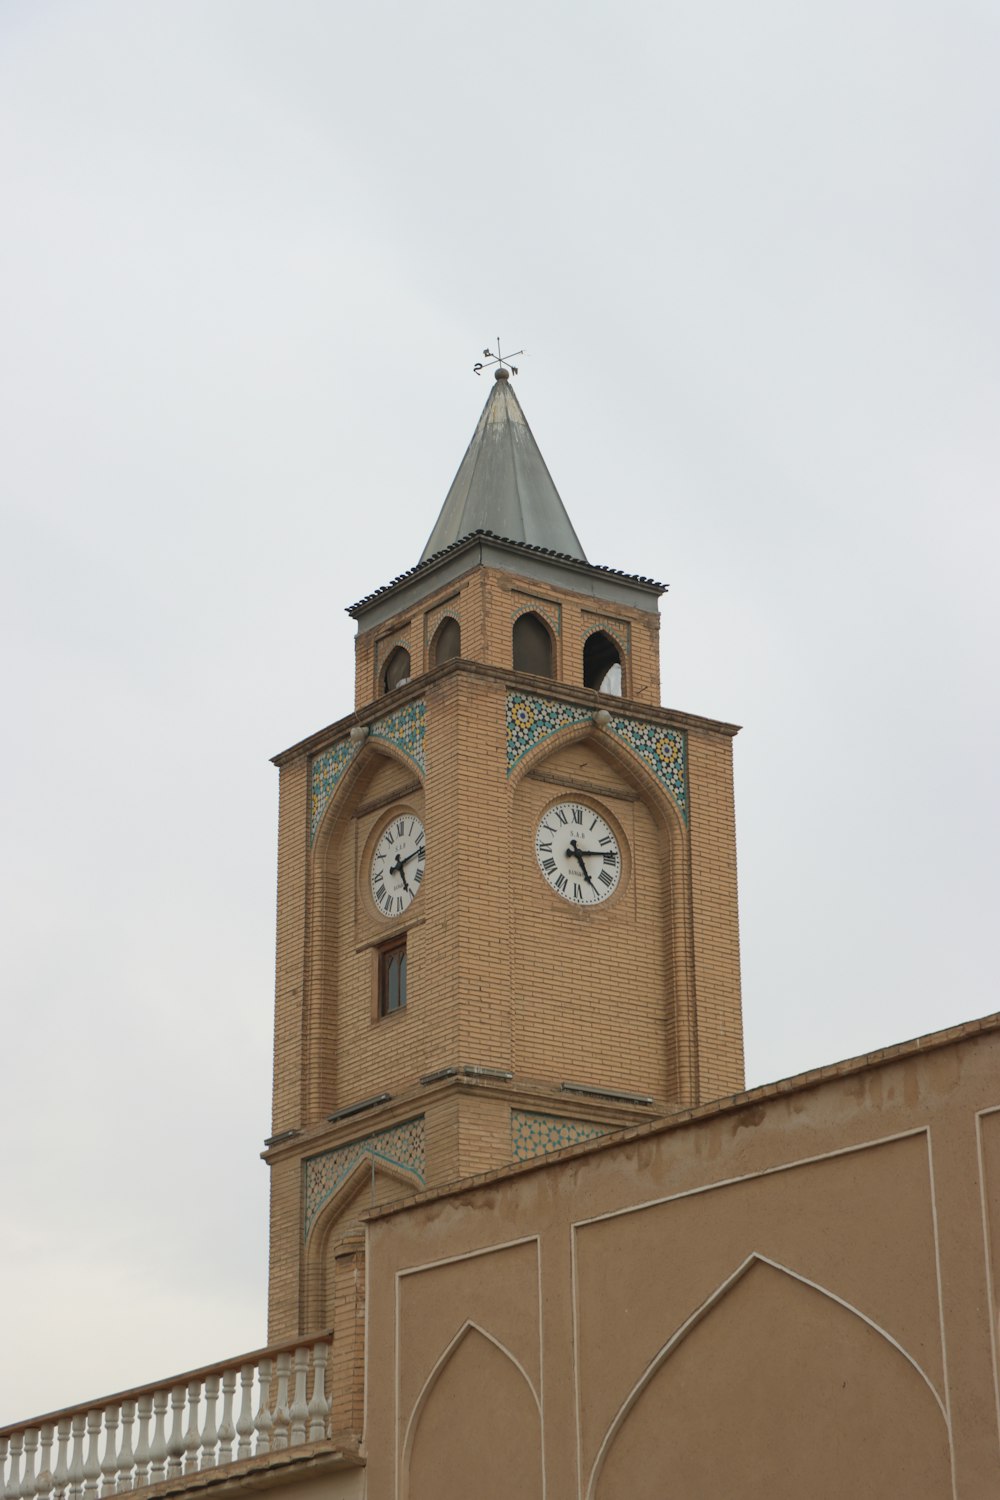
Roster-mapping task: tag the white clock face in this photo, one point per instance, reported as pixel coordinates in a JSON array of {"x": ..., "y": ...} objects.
[
  {"x": 398, "y": 864},
  {"x": 578, "y": 854}
]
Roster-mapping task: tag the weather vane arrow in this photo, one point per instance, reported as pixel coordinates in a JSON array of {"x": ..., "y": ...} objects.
[{"x": 489, "y": 358}]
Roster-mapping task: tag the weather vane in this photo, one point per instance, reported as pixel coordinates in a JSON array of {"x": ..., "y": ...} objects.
[{"x": 489, "y": 358}]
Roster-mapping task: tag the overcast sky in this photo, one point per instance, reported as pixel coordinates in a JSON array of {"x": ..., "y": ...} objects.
[{"x": 250, "y": 252}]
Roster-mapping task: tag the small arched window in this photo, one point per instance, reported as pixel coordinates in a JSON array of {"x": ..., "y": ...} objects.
[
  {"x": 447, "y": 642},
  {"x": 602, "y": 664},
  {"x": 396, "y": 670},
  {"x": 532, "y": 646}
]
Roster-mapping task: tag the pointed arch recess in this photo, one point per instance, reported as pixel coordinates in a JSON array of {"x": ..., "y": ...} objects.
[
  {"x": 702, "y": 1312},
  {"x": 358, "y": 759},
  {"x": 468, "y": 1327},
  {"x": 664, "y": 809}
]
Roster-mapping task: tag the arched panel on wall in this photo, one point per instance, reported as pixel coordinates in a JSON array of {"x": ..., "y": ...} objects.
[
  {"x": 476, "y": 1428},
  {"x": 377, "y": 766},
  {"x": 338, "y": 1226},
  {"x": 532, "y": 645},
  {"x": 773, "y": 1390},
  {"x": 643, "y": 934},
  {"x": 446, "y": 644}
]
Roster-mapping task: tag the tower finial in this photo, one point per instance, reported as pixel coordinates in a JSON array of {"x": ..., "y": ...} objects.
[{"x": 506, "y": 369}]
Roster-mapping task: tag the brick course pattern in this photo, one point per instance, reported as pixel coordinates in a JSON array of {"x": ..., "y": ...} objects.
[{"x": 639, "y": 995}]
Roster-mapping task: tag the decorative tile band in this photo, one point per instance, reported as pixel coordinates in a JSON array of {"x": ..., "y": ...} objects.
[
  {"x": 404, "y": 729},
  {"x": 401, "y": 1146},
  {"x": 531, "y": 719},
  {"x": 435, "y": 617},
  {"x": 534, "y": 1135},
  {"x": 664, "y": 752},
  {"x": 550, "y": 612},
  {"x": 385, "y": 648},
  {"x": 618, "y": 630}
]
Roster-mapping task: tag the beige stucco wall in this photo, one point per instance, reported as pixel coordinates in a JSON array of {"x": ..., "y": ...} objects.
[{"x": 787, "y": 1294}]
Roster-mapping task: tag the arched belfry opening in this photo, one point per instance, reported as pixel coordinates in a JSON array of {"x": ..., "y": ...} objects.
[
  {"x": 447, "y": 642},
  {"x": 532, "y": 646},
  {"x": 602, "y": 664},
  {"x": 396, "y": 670}
]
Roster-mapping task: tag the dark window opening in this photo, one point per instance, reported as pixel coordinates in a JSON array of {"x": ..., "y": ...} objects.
[
  {"x": 447, "y": 642},
  {"x": 532, "y": 646},
  {"x": 392, "y": 978},
  {"x": 396, "y": 670},
  {"x": 602, "y": 664}
]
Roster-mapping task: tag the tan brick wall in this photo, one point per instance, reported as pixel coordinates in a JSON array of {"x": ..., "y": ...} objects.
[
  {"x": 639, "y": 995},
  {"x": 486, "y": 602},
  {"x": 715, "y": 917}
]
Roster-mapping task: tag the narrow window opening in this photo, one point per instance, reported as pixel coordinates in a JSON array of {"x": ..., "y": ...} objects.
[
  {"x": 392, "y": 978},
  {"x": 396, "y": 670},
  {"x": 602, "y": 664},
  {"x": 532, "y": 646},
  {"x": 447, "y": 642}
]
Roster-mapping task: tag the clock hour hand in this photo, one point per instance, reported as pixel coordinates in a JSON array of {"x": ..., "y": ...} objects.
[
  {"x": 397, "y": 869},
  {"x": 578, "y": 856}
]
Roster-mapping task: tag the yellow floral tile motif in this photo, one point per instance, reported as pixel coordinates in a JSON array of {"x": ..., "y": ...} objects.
[
  {"x": 534, "y": 1135},
  {"x": 404, "y": 729},
  {"x": 400, "y": 1146},
  {"x": 531, "y": 719}
]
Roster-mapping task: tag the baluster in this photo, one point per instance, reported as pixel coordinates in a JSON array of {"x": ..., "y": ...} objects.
[
  {"x": 192, "y": 1438},
  {"x": 210, "y": 1436},
  {"x": 245, "y": 1424},
  {"x": 16, "y": 1449},
  {"x": 109, "y": 1468},
  {"x": 43, "y": 1484},
  {"x": 92, "y": 1464},
  {"x": 175, "y": 1442},
  {"x": 158, "y": 1452},
  {"x": 227, "y": 1431},
  {"x": 145, "y": 1412},
  {"x": 298, "y": 1412},
  {"x": 60, "y": 1478},
  {"x": 30, "y": 1449},
  {"x": 76, "y": 1462},
  {"x": 281, "y": 1419},
  {"x": 126, "y": 1458},
  {"x": 264, "y": 1422},
  {"x": 319, "y": 1406},
  {"x": 4, "y": 1491}
]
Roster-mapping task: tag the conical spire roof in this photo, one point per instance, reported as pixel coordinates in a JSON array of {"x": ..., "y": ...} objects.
[{"x": 502, "y": 485}]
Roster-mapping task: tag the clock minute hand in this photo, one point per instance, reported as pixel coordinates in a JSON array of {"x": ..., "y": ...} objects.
[{"x": 414, "y": 855}]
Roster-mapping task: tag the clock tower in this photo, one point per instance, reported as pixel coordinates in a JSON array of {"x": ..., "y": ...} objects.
[{"x": 506, "y": 882}]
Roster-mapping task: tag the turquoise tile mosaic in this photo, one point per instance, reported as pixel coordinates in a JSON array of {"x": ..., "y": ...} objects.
[
  {"x": 400, "y": 1146},
  {"x": 531, "y": 719},
  {"x": 327, "y": 770},
  {"x": 664, "y": 752},
  {"x": 404, "y": 729},
  {"x": 534, "y": 1135}
]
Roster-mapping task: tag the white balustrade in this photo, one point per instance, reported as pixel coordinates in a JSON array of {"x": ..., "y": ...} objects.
[{"x": 171, "y": 1430}]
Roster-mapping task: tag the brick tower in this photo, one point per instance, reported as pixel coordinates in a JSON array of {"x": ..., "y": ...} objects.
[{"x": 506, "y": 881}]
